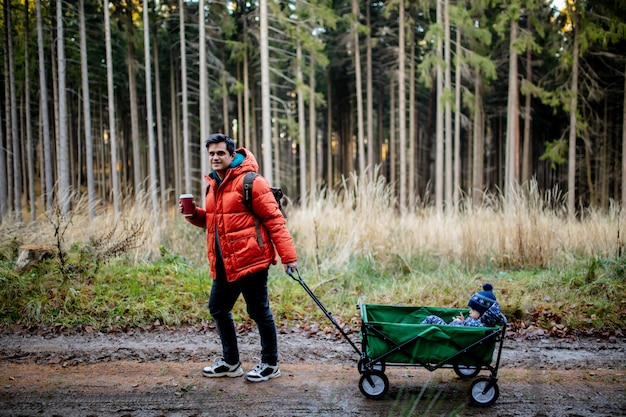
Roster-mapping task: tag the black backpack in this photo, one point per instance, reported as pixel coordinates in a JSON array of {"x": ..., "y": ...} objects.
[{"x": 248, "y": 179}]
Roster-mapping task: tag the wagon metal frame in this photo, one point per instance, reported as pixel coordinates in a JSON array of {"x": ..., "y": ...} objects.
[{"x": 394, "y": 336}]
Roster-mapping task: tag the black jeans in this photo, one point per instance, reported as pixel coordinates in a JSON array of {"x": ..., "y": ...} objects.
[{"x": 253, "y": 287}]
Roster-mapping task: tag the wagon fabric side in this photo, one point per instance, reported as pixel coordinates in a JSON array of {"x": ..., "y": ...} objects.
[{"x": 395, "y": 335}]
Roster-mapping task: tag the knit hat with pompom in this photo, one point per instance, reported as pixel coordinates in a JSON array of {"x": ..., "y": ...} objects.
[{"x": 481, "y": 301}]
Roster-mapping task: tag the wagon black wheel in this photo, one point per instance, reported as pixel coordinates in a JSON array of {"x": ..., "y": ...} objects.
[
  {"x": 378, "y": 366},
  {"x": 374, "y": 384},
  {"x": 466, "y": 371},
  {"x": 484, "y": 392}
]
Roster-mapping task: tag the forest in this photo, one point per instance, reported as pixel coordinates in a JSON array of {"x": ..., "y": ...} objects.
[{"x": 449, "y": 102}]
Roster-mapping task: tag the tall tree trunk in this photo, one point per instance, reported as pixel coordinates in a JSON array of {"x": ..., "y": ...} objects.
[
  {"x": 225, "y": 116},
  {"x": 30, "y": 151},
  {"x": 266, "y": 115},
  {"x": 3, "y": 176},
  {"x": 64, "y": 163},
  {"x": 412, "y": 199},
  {"x": 115, "y": 190},
  {"x": 312, "y": 131},
  {"x": 175, "y": 130},
  {"x": 392, "y": 132},
  {"x": 159, "y": 125},
  {"x": 152, "y": 184},
  {"x": 134, "y": 118},
  {"x": 246, "y": 88},
  {"x": 12, "y": 114},
  {"x": 457, "y": 124},
  {"x": 301, "y": 124},
  {"x": 55, "y": 99},
  {"x": 91, "y": 192},
  {"x": 624, "y": 144},
  {"x": 402, "y": 106},
  {"x": 479, "y": 143},
  {"x": 571, "y": 160},
  {"x": 526, "y": 146},
  {"x": 329, "y": 133},
  {"x": 240, "y": 118},
  {"x": 203, "y": 96},
  {"x": 359, "y": 87},
  {"x": 605, "y": 160},
  {"x": 439, "y": 141},
  {"x": 45, "y": 121},
  {"x": 448, "y": 151},
  {"x": 276, "y": 149},
  {"x": 512, "y": 134},
  {"x": 371, "y": 153},
  {"x": 185, "y": 92}
]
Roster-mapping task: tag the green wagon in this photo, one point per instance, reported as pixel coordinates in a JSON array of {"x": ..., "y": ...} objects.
[{"x": 394, "y": 336}]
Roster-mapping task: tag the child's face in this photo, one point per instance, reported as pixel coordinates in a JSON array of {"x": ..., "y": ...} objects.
[{"x": 474, "y": 314}]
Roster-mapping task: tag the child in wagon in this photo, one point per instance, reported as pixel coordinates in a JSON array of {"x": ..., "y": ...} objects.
[{"x": 484, "y": 311}]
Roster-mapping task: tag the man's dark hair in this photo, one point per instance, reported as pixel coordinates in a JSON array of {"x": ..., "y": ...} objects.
[{"x": 220, "y": 137}]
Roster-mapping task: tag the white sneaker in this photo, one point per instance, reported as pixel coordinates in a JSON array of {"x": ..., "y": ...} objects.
[
  {"x": 262, "y": 372},
  {"x": 221, "y": 368}
]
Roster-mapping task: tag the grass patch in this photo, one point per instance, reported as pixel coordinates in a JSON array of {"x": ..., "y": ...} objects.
[{"x": 548, "y": 272}]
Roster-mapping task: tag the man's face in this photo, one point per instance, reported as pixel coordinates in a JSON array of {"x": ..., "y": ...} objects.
[{"x": 219, "y": 157}]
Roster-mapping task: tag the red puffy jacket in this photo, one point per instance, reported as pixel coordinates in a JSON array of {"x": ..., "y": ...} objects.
[{"x": 227, "y": 215}]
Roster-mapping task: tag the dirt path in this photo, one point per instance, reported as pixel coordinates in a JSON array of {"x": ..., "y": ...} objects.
[{"x": 158, "y": 374}]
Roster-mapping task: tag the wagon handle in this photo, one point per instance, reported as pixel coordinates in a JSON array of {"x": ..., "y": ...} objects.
[{"x": 290, "y": 272}]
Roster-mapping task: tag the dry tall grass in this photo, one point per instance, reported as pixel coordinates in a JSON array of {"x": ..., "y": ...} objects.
[
  {"x": 529, "y": 230},
  {"x": 360, "y": 221}
]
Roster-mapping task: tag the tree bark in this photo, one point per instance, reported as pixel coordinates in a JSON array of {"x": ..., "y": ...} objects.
[
  {"x": 247, "y": 121},
  {"x": 3, "y": 177},
  {"x": 359, "y": 87},
  {"x": 159, "y": 126},
  {"x": 111, "y": 103},
  {"x": 48, "y": 182},
  {"x": 64, "y": 163},
  {"x": 526, "y": 146},
  {"x": 402, "y": 106},
  {"x": 573, "y": 105},
  {"x": 512, "y": 133},
  {"x": 91, "y": 192},
  {"x": 175, "y": 130},
  {"x": 185, "y": 107},
  {"x": 12, "y": 115},
  {"x": 392, "y": 133},
  {"x": 30, "y": 154},
  {"x": 329, "y": 133},
  {"x": 447, "y": 79},
  {"x": 203, "y": 96},
  {"x": 439, "y": 152},
  {"x": 266, "y": 115},
  {"x": 457, "y": 124},
  {"x": 152, "y": 184},
  {"x": 134, "y": 117},
  {"x": 624, "y": 144},
  {"x": 312, "y": 131},
  {"x": 412, "y": 199},
  {"x": 479, "y": 143},
  {"x": 301, "y": 124},
  {"x": 371, "y": 153}
]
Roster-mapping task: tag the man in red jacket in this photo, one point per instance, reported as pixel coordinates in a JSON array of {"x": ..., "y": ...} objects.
[{"x": 240, "y": 254}]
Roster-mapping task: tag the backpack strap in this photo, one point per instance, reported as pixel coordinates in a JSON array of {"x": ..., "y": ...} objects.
[{"x": 248, "y": 179}]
